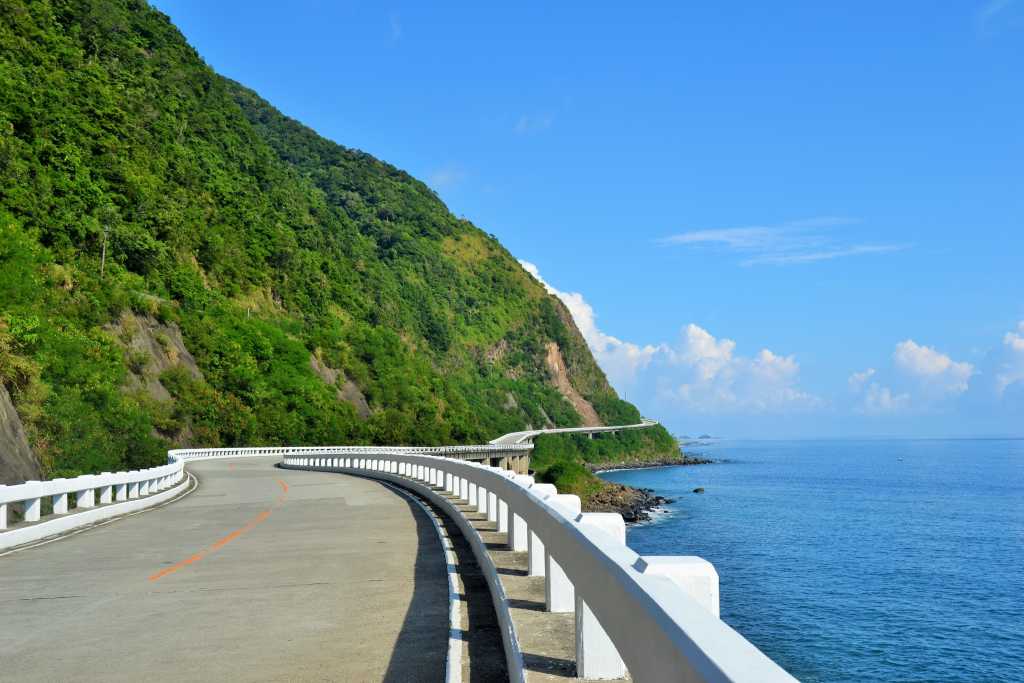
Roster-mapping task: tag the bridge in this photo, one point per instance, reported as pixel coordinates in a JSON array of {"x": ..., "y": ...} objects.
[
  {"x": 346, "y": 563},
  {"x": 527, "y": 437}
]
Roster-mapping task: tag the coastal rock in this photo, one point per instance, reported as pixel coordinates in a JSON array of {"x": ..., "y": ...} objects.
[
  {"x": 634, "y": 504},
  {"x": 699, "y": 489}
]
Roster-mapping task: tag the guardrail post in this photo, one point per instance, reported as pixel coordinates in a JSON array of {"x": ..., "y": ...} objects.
[
  {"x": 559, "y": 595},
  {"x": 481, "y": 500},
  {"x": 144, "y": 488},
  {"x": 106, "y": 492},
  {"x": 60, "y": 502},
  {"x": 517, "y": 532},
  {"x": 30, "y": 507},
  {"x": 535, "y": 547},
  {"x": 472, "y": 494},
  {"x": 464, "y": 489},
  {"x": 596, "y": 656},
  {"x": 133, "y": 489},
  {"x": 121, "y": 491},
  {"x": 492, "y": 506},
  {"x": 3, "y": 514},
  {"x": 695, "y": 575},
  {"x": 448, "y": 485},
  {"x": 86, "y": 498},
  {"x": 502, "y": 517}
]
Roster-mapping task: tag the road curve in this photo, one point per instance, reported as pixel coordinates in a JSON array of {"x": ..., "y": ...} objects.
[
  {"x": 283, "y": 575},
  {"x": 529, "y": 435}
]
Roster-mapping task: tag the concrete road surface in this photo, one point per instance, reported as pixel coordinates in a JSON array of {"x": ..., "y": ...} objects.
[{"x": 260, "y": 574}]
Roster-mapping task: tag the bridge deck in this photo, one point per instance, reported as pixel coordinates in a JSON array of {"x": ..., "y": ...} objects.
[{"x": 285, "y": 575}]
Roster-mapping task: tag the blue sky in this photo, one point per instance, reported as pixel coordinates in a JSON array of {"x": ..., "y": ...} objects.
[{"x": 770, "y": 219}]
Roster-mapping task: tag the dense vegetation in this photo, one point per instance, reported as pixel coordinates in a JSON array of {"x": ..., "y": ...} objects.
[{"x": 135, "y": 181}]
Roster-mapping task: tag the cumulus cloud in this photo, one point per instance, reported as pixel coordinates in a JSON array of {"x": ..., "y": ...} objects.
[
  {"x": 920, "y": 380},
  {"x": 936, "y": 371},
  {"x": 858, "y": 379},
  {"x": 707, "y": 376},
  {"x": 874, "y": 398},
  {"x": 882, "y": 400},
  {"x": 698, "y": 372},
  {"x": 621, "y": 360},
  {"x": 1011, "y": 368}
]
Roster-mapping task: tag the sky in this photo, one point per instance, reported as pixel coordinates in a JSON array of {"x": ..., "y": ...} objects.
[{"x": 770, "y": 220}]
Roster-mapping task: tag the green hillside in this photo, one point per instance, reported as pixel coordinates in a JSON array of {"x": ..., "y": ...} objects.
[{"x": 182, "y": 264}]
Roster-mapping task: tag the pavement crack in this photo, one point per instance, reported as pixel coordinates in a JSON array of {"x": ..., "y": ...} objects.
[{"x": 50, "y": 597}]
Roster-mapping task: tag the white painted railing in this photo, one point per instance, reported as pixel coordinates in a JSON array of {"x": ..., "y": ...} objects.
[
  {"x": 89, "y": 498},
  {"x": 84, "y": 500},
  {"x": 457, "y": 452},
  {"x": 655, "y": 616}
]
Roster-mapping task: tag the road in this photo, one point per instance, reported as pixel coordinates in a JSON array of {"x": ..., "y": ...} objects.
[{"x": 259, "y": 574}]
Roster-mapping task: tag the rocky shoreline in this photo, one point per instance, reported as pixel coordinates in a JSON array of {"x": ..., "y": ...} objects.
[{"x": 635, "y": 504}]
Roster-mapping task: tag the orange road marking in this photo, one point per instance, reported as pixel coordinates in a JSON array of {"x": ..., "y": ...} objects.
[{"x": 248, "y": 526}]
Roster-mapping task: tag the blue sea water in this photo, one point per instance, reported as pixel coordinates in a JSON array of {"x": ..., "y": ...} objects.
[{"x": 872, "y": 560}]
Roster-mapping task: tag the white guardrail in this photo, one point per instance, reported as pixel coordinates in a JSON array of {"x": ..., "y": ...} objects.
[
  {"x": 90, "y": 498},
  {"x": 656, "y": 617}
]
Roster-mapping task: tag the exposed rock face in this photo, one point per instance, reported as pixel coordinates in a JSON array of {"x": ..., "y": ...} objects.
[
  {"x": 497, "y": 352},
  {"x": 510, "y": 402},
  {"x": 560, "y": 378},
  {"x": 348, "y": 391},
  {"x": 152, "y": 347},
  {"x": 17, "y": 464}
]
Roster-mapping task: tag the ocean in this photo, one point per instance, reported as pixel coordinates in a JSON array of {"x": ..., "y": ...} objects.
[{"x": 858, "y": 560}]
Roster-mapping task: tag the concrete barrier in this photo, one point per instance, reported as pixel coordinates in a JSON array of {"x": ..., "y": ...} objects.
[{"x": 656, "y": 617}]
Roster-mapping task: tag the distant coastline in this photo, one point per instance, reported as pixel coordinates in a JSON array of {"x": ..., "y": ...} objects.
[{"x": 683, "y": 459}]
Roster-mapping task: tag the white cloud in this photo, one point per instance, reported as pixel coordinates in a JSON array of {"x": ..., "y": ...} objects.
[
  {"x": 709, "y": 377},
  {"x": 826, "y": 255},
  {"x": 881, "y": 400},
  {"x": 858, "y": 379},
  {"x": 1011, "y": 369},
  {"x": 698, "y": 373},
  {"x": 619, "y": 359},
  {"x": 803, "y": 241},
  {"x": 936, "y": 371},
  {"x": 876, "y": 399}
]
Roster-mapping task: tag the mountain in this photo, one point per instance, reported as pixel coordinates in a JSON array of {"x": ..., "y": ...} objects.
[{"x": 182, "y": 264}]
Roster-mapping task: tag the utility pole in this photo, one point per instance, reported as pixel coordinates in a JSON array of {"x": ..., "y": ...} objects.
[{"x": 103, "y": 257}]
